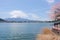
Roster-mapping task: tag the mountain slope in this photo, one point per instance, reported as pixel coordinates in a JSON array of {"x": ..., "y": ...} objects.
[
  {"x": 16, "y": 19},
  {"x": 2, "y": 20}
]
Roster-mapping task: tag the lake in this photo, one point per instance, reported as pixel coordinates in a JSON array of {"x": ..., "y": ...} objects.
[{"x": 21, "y": 31}]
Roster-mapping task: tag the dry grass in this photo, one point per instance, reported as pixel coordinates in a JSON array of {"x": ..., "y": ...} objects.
[
  {"x": 47, "y": 31},
  {"x": 47, "y": 35}
]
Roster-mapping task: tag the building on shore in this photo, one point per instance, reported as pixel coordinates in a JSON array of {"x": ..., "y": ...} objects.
[{"x": 56, "y": 27}]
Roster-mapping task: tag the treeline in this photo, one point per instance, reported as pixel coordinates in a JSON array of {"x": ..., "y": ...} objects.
[{"x": 2, "y": 20}]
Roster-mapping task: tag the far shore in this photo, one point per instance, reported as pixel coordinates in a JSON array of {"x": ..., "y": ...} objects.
[{"x": 29, "y": 21}]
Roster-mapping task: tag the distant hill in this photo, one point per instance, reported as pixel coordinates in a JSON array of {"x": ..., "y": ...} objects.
[
  {"x": 2, "y": 20},
  {"x": 16, "y": 19},
  {"x": 22, "y": 20}
]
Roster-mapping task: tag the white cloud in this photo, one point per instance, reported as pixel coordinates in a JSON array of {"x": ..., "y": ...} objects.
[
  {"x": 21, "y": 14},
  {"x": 35, "y": 17},
  {"x": 50, "y": 1},
  {"x": 31, "y": 16},
  {"x": 18, "y": 13}
]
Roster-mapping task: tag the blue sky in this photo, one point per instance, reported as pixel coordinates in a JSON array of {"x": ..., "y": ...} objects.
[{"x": 28, "y": 9}]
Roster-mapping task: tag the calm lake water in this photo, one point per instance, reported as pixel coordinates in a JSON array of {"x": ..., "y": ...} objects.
[{"x": 21, "y": 31}]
